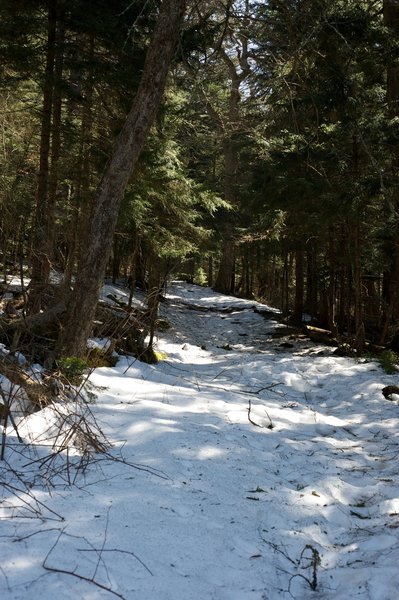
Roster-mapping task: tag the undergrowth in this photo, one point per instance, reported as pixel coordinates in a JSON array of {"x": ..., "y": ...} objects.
[{"x": 389, "y": 361}]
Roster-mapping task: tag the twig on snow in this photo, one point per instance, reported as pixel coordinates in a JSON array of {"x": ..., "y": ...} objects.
[
  {"x": 91, "y": 580},
  {"x": 277, "y": 548},
  {"x": 22, "y": 538},
  {"x": 270, "y": 426},
  {"x": 5, "y": 577},
  {"x": 103, "y": 544},
  {"x": 314, "y": 563},
  {"x": 30, "y": 503},
  {"x": 249, "y": 415},
  {"x": 121, "y": 552}
]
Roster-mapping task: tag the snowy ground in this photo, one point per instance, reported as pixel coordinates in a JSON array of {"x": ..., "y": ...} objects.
[{"x": 266, "y": 471}]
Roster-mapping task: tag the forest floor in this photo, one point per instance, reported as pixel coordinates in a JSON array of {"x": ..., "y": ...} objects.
[{"x": 241, "y": 469}]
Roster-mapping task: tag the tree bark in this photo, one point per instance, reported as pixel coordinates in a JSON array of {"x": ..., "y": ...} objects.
[
  {"x": 55, "y": 142},
  {"x": 391, "y": 19},
  {"x": 225, "y": 278},
  {"x": 81, "y": 210},
  {"x": 210, "y": 271},
  {"x": 40, "y": 258},
  {"x": 357, "y": 282},
  {"x": 311, "y": 282},
  {"x": 113, "y": 184},
  {"x": 238, "y": 73},
  {"x": 299, "y": 285}
]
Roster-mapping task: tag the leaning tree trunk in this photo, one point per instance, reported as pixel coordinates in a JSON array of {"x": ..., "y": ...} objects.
[{"x": 118, "y": 172}]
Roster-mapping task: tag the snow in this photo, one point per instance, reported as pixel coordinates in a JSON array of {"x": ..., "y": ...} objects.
[{"x": 236, "y": 464}]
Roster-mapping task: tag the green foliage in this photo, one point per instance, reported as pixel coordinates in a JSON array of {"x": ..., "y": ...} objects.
[
  {"x": 389, "y": 361},
  {"x": 167, "y": 206},
  {"x": 72, "y": 367},
  {"x": 200, "y": 277}
]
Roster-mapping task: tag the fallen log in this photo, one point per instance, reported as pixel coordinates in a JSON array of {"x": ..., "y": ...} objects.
[{"x": 321, "y": 336}]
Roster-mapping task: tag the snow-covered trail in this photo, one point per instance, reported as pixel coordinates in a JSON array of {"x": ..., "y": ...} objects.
[{"x": 265, "y": 460}]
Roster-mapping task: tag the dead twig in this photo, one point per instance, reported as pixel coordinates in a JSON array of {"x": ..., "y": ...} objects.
[
  {"x": 103, "y": 544},
  {"x": 129, "y": 552},
  {"x": 249, "y": 415},
  {"x": 270, "y": 426},
  {"x": 30, "y": 503},
  {"x": 313, "y": 562},
  {"x": 75, "y": 574}
]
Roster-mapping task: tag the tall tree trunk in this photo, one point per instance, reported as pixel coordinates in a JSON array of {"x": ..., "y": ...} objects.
[
  {"x": 343, "y": 308},
  {"x": 153, "y": 293},
  {"x": 133, "y": 265},
  {"x": 299, "y": 286},
  {"x": 55, "y": 141},
  {"x": 311, "y": 282},
  {"x": 332, "y": 280},
  {"x": 81, "y": 209},
  {"x": 357, "y": 261},
  {"x": 225, "y": 277},
  {"x": 391, "y": 19},
  {"x": 357, "y": 282},
  {"x": 116, "y": 177},
  {"x": 237, "y": 75},
  {"x": 285, "y": 287},
  {"x": 247, "y": 289},
  {"x": 116, "y": 259},
  {"x": 40, "y": 258},
  {"x": 210, "y": 271}
]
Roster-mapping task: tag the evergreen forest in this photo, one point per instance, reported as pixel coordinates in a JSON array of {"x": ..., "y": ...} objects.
[{"x": 248, "y": 145}]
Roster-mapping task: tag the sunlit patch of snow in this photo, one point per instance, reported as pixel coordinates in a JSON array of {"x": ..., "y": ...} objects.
[
  {"x": 98, "y": 343},
  {"x": 209, "y": 452},
  {"x": 225, "y": 507}
]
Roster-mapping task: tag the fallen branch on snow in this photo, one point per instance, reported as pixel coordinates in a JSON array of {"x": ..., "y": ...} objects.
[{"x": 270, "y": 426}]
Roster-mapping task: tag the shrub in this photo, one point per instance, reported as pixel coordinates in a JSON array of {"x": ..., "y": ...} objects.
[
  {"x": 200, "y": 277},
  {"x": 389, "y": 361},
  {"x": 72, "y": 367}
]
